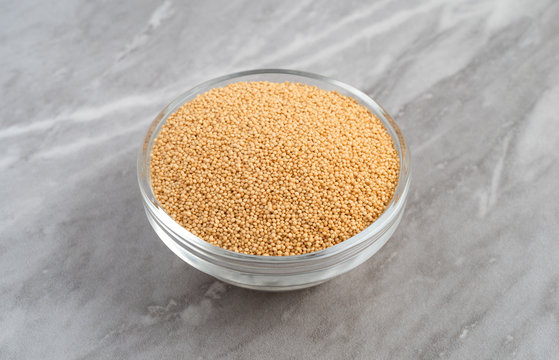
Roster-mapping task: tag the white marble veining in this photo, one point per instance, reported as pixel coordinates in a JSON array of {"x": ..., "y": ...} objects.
[{"x": 471, "y": 273}]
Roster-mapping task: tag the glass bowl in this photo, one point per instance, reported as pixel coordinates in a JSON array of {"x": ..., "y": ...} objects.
[{"x": 275, "y": 273}]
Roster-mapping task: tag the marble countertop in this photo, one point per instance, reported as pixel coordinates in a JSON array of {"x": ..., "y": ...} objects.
[{"x": 471, "y": 273}]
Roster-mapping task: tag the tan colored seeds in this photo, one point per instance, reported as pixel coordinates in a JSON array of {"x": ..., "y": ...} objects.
[{"x": 273, "y": 168}]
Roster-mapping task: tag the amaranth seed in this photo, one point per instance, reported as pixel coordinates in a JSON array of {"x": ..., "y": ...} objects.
[{"x": 275, "y": 169}]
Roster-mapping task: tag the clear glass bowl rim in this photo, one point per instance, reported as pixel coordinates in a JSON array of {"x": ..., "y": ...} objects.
[{"x": 391, "y": 211}]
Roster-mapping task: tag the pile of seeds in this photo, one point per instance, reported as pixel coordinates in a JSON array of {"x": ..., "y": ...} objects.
[{"x": 273, "y": 168}]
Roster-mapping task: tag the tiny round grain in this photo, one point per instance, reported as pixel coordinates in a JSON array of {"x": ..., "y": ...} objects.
[{"x": 273, "y": 169}]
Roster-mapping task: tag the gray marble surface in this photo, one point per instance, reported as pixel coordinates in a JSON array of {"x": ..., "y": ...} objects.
[{"x": 471, "y": 273}]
